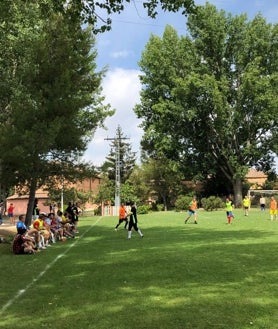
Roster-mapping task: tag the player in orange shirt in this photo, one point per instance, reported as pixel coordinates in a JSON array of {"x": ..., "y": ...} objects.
[
  {"x": 122, "y": 216},
  {"x": 273, "y": 208},
  {"x": 192, "y": 210}
]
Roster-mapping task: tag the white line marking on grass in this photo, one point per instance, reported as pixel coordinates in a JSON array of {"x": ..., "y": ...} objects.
[{"x": 48, "y": 266}]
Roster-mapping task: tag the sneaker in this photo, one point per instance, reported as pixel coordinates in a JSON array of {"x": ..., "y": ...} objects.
[
  {"x": 185, "y": 222},
  {"x": 195, "y": 222}
]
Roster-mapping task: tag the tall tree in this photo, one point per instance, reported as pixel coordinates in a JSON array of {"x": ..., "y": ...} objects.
[
  {"x": 127, "y": 157},
  {"x": 210, "y": 98},
  {"x": 51, "y": 102}
]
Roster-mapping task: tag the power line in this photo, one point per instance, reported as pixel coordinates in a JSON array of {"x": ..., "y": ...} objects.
[{"x": 117, "y": 169}]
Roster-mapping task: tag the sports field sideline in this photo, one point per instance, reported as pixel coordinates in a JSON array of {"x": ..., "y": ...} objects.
[{"x": 209, "y": 275}]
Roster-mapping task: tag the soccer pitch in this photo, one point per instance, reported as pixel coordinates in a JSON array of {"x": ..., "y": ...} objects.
[{"x": 179, "y": 276}]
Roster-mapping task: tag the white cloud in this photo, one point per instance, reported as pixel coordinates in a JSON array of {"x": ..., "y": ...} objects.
[
  {"x": 121, "y": 89},
  {"x": 120, "y": 49},
  {"x": 121, "y": 54}
]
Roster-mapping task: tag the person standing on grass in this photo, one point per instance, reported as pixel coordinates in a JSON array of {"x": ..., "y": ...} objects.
[
  {"x": 262, "y": 203},
  {"x": 122, "y": 216},
  {"x": 273, "y": 208},
  {"x": 192, "y": 210},
  {"x": 229, "y": 210},
  {"x": 133, "y": 222},
  {"x": 2, "y": 211},
  {"x": 11, "y": 214},
  {"x": 246, "y": 205}
]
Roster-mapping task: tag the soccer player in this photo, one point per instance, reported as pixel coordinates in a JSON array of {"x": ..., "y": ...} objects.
[
  {"x": 262, "y": 203},
  {"x": 273, "y": 208},
  {"x": 246, "y": 205},
  {"x": 133, "y": 221},
  {"x": 192, "y": 210},
  {"x": 122, "y": 216},
  {"x": 229, "y": 210}
]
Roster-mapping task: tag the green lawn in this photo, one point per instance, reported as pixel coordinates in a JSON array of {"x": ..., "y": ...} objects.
[{"x": 209, "y": 275}]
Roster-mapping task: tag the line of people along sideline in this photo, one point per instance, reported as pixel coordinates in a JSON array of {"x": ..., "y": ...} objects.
[{"x": 45, "y": 230}]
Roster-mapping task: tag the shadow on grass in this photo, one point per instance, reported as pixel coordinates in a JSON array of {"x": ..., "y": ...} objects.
[{"x": 186, "y": 277}]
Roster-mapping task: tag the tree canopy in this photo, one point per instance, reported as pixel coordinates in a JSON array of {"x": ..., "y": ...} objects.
[
  {"x": 50, "y": 101},
  {"x": 127, "y": 157},
  {"x": 209, "y": 99},
  {"x": 98, "y": 13}
]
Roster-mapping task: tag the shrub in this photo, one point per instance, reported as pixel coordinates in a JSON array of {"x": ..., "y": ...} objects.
[
  {"x": 160, "y": 207},
  {"x": 141, "y": 210},
  {"x": 212, "y": 203},
  {"x": 182, "y": 202}
]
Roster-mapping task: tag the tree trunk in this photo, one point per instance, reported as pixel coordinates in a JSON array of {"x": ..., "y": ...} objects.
[
  {"x": 165, "y": 204},
  {"x": 237, "y": 187},
  {"x": 31, "y": 201}
]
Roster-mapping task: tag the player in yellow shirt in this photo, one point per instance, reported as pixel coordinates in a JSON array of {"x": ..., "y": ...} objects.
[{"x": 246, "y": 205}]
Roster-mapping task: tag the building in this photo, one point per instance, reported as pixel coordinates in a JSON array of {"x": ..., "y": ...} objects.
[
  {"x": 20, "y": 202},
  {"x": 256, "y": 178}
]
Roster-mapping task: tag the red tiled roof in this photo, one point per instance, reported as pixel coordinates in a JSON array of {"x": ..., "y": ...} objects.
[{"x": 253, "y": 173}]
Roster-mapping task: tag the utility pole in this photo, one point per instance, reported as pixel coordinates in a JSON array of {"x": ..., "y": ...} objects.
[{"x": 117, "y": 171}]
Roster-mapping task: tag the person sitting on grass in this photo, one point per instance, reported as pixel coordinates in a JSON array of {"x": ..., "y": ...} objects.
[
  {"x": 66, "y": 224},
  {"x": 42, "y": 228},
  {"x": 23, "y": 244},
  {"x": 48, "y": 224},
  {"x": 33, "y": 233},
  {"x": 56, "y": 227}
]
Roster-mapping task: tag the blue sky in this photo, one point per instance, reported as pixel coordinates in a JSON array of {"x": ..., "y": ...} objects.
[{"x": 120, "y": 50}]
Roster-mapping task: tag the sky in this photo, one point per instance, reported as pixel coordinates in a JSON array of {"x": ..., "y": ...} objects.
[{"x": 120, "y": 51}]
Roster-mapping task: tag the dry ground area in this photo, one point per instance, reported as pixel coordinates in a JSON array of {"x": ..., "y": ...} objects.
[{"x": 7, "y": 230}]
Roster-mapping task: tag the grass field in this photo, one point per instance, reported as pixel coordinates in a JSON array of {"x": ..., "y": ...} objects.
[{"x": 209, "y": 275}]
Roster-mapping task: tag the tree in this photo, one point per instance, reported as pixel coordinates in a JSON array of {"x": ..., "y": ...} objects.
[
  {"x": 95, "y": 12},
  {"x": 164, "y": 180},
  {"x": 51, "y": 102},
  {"x": 210, "y": 98},
  {"x": 126, "y": 155}
]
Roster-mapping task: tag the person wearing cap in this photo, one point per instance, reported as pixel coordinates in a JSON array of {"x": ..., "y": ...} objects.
[{"x": 41, "y": 227}]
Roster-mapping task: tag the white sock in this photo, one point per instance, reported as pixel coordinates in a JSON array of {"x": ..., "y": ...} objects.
[
  {"x": 139, "y": 232},
  {"x": 129, "y": 234}
]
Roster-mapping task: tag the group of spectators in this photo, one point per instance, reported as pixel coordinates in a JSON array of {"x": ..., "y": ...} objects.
[{"x": 45, "y": 230}]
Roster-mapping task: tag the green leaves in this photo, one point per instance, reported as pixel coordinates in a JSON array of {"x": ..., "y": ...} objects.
[
  {"x": 51, "y": 103},
  {"x": 212, "y": 99}
]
